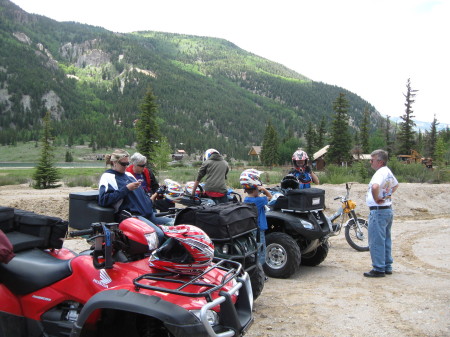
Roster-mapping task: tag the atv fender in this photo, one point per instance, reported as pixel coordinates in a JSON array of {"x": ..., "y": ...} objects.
[
  {"x": 295, "y": 225},
  {"x": 178, "y": 321}
]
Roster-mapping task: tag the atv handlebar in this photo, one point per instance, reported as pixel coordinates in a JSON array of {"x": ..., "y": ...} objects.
[{"x": 81, "y": 232}]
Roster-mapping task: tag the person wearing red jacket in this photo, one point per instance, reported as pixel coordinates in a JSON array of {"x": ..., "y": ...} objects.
[
  {"x": 139, "y": 170},
  {"x": 148, "y": 181}
]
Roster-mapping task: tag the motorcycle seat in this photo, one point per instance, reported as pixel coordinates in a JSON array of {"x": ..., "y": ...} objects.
[{"x": 32, "y": 270}]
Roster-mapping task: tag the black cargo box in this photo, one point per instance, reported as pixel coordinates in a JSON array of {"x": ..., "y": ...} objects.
[
  {"x": 52, "y": 229},
  {"x": 84, "y": 210},
  {"x": 6, "y": 219},
  {"x": 306, "y": 199},
  {"x": 220, "y": 221}
]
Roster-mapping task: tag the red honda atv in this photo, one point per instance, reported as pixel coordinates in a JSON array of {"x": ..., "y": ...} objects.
[{"x": 46, "y": 290}]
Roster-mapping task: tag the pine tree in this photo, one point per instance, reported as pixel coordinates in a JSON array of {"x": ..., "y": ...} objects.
[
  {"x": 321, "y": 134},
  {"x": 310, "y": 136},
  {"x": 387, "y": 137},
  {"x": 406, "y": 134},
  {"x": 46, "y": 175},
  {"x": 432, "y": 138},
  {"x": 161, "y": 155},
  {"x": 69, "y": 157},
  {"x": 147, "y": 128},
  {"x": 364, "y": 137},
  {"x": 269, "y": 151},
  {"x": 341, "y": 142}
]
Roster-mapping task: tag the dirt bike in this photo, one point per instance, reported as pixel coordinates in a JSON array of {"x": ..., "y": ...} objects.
[
  {"x": 47, "y": 290},
  {"x": 356, "y": 229}
]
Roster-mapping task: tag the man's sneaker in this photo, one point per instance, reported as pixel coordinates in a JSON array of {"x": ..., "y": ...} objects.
[
  {"x": 388, "y": 272},
  {"x": 374, "y": 273}
]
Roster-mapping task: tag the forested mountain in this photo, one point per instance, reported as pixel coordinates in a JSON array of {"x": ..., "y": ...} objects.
[{"x": 211, "y": 94}]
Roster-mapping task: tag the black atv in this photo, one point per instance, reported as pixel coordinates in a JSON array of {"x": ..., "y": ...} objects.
[{"x": 298, "y": 229}]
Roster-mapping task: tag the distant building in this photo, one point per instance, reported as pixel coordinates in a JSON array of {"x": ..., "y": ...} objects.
[
  {"x": 255, "y": 151},
  {"x": 179, "y": 155},
  {"x": 317, "y": 159}
]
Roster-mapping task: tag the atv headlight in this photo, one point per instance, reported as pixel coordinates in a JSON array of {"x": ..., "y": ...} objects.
[
  {"x": 225, "y": 249},
  {"x": 152, "y": 240},
  {"x": 307, "y": 225},
  {"x": 211, "y": 316}
]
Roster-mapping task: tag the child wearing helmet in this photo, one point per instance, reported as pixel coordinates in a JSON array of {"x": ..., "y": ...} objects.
[
  {"x": 215, "y": 168},
  {"x": 302, "y": 171},
  {"x": 251, "y": 183}
]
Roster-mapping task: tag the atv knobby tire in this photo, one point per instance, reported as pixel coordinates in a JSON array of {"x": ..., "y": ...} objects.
[
  {"x": 283, "y": 255},
  {"x": 316, "y": 257},
  {"x": 257, "y": 279}
]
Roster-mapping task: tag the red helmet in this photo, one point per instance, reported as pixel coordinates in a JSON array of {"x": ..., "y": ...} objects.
[{"x": 187, "y": 250}]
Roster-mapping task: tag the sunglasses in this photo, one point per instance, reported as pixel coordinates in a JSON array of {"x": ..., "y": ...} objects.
[
  {"x": 123, "y": 164},
  {"x": 143, "y": 165}
]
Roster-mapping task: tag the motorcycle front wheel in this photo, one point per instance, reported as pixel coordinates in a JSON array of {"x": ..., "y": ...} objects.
[{"x": 358, "y": 238}]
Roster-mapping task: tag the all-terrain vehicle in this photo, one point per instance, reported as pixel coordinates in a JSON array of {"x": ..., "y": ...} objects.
[
  {"x": 231, "y": 227},
  {"x": 47, "y": 290},
  {"x": 298, "y": 229}
]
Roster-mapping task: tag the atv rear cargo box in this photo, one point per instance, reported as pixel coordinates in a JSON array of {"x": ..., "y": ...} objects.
[
  {"x": 306, "y": 199},
  {"x": 220, "y": 221},
  {"x": 84, "y": 210}
]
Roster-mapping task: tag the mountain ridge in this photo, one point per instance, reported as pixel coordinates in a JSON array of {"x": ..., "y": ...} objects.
[{"x": 211, "y": 93}]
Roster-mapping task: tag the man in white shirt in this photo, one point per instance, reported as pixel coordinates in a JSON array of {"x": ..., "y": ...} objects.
[{"x": 381, "y": 187}]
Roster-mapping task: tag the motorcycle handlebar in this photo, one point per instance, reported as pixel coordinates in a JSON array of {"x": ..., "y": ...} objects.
[{"x": 81, "y": 232}]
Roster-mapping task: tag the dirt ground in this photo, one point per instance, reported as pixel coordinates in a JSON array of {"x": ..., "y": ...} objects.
[{"x": 334, "y": 299}]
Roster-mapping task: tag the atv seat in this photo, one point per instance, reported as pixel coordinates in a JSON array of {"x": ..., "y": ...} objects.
[{"x": 32, "y": 270}]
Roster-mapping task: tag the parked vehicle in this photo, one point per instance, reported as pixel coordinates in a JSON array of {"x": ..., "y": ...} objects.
[
  {"x": 356, "y": 229},
  {"x": 298, "y": 229},
  {"x": 240, "y": 246},
  {"x": 233, "y": 229},
  {"x": 46, "y": 290}
]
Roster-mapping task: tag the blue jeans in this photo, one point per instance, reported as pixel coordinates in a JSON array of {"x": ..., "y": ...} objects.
[
  {"x": 380, "y": 241},
  {"x": 262, "y": 252}
]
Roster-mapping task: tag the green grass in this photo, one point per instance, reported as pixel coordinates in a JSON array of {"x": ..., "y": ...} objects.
[
  {"x": 30, "y": 153},
  {"x": 89, "y": 177}
]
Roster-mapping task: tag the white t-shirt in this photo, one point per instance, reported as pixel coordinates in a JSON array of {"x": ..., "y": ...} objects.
[{"x": 383, "y": 177}]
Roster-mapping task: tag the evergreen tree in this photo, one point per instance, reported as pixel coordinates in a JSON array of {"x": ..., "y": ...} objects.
[
  {"x": 439, "y": 156},
  {"x": 46, "y": 175},
  {"x": 321, "y": 134},
  {"x": 69, "y": 157},
  {"x": 269, "y": 151},
  {"x": 161, "y": 155},
  {"x": 310, "y": 136},
  {"x": 365, "y": 131},
  {"x": 147, "y": 127},
  {"x": 341, "y": 143},
  {"x": 406, "y": 134},
  {"x": 387, "y": 137},
  {"x": 432, "y": 138}
]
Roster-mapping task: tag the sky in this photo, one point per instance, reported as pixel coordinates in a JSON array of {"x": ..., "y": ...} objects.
[{"x": 369, "y": 47}]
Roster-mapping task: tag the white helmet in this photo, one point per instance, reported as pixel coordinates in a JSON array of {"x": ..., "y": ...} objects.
[
  {"x": 188, "y": 188},
  {"x": 208, "y": 153},
  {"x": 174, "y": 191},
  {"x": 250, "y": 178}
]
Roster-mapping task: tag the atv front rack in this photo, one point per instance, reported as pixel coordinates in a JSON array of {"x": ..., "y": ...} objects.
[
  {"x": 231, "y": 273},
  {"x": 235, "y": 318}
]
